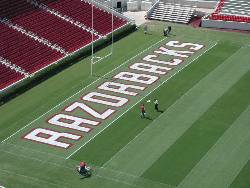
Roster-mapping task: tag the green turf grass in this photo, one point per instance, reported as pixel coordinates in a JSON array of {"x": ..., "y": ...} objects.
[
  {"x": 224, "y": 160},
  {"x": 242, "y": 180},
  {"x": 99, "y": 150},
  {"x": 190, "y": 148}
]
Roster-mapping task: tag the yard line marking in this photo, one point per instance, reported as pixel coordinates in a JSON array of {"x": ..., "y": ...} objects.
[
  {"x": 83, "y": 89},
  {"x": 142, "y": 99}
]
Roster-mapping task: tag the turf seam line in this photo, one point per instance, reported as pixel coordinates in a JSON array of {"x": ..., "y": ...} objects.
[
  {"x": 83, "y": 89},
  {"x": 31, "y": 150},
  {"x": 142, "y": 99},
  {"x": 30, "y": 177},
  {"x": 35, "y": 159}
]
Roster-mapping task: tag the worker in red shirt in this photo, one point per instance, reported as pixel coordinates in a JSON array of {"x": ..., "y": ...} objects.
[
  {"x": 143, "y": 111},
  {"x": 83, "y": 169}
]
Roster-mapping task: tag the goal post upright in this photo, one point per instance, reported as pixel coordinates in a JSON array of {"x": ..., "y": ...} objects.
[
  {"x": 104, "y": 37},
  {"x": 92, "y": 36},
  {"x": 112, "y": 27}
]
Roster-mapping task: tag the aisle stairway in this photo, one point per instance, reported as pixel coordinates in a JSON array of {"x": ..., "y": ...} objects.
[{"x": 172, "y": 12}]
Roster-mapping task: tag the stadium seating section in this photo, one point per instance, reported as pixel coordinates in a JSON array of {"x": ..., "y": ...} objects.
[
  {"x": 232, "y": 10},
  {"x": 8, "y": 76},
  {"x": 172, "y": 12},
  {"x": 102, "y": 19},
  {"x": 33, "y": 31}
]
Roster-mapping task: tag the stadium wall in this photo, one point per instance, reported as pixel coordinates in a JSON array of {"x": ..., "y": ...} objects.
[
  {"x": 108, "y": 7},
  {"x": 198, "y": 4},
  {"x": 136, "y": 5},
  {"x": 220, "y": 24}
]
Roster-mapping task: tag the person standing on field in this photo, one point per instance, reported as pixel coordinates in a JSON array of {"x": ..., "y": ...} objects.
[
  {"x": 143, "y": 111},
  {"x": 145, "y": 29},
  {"x": 156, "y": 103}
]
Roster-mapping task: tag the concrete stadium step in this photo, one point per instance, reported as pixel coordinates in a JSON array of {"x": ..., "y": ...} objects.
[{"x": 172, "y": 13}]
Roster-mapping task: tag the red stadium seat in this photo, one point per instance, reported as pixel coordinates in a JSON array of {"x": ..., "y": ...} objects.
[{"x": 30, "y": 54}]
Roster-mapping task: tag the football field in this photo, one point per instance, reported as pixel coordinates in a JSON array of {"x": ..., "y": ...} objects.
[{"x": 200, "y": 136}]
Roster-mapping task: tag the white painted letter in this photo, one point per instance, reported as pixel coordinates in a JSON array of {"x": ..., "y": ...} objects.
[
  {"x": 150, "y": 68},
  {"x": 120, "y": 88},
  {"x": 89, "y": 110},
  {"x": 51, "y": 137},
  {"x": 134, "y": 77},
  {"x": 174, "y": 61},
  {"x": 195, "y": 47},
  {"x": 175, "y": 53},
  {"x": 112, "y": 100},
  {"x": 72, "y": 122}
]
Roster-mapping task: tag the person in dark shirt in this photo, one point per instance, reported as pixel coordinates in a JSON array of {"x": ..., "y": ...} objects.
[
  {"x": 156, "y": 103},
  {"x": 143, "y": 111}
]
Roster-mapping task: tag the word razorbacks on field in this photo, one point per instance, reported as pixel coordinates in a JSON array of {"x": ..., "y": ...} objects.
[{"x": 150, "y": 69}]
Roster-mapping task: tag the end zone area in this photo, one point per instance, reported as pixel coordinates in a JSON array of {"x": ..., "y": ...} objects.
[{"x": 73, "y": 123}]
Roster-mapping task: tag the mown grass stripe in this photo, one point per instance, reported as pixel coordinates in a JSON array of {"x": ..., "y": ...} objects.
[
  {"x": 116, "y": 137},
  {"x": 242, "y": 180},
  {"x": 223, "y": 162},
  {"x": 193, "y": 145}
]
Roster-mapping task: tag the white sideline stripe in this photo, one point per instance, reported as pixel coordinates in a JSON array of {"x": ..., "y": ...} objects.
[
  {"x": 81, "y": 90},
  {"x": 142, "y": 99}
]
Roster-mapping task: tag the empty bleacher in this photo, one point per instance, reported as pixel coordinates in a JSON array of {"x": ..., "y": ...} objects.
[
  {"x": 32, "y": 38},
  {"x": 232, "y": 10},
  {"x": 171, "y": 12},
  {"x": 66, "y": 35},
  {"x": 236, "y": 8},
  {"x": 8, "y": 76},
  {"x": 12, "y": 8},
  {"x": 24, "y": 51},
  {"x": 74, "y": 9}
]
